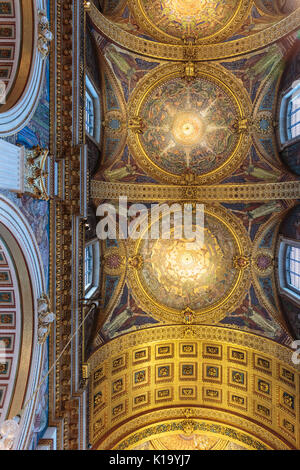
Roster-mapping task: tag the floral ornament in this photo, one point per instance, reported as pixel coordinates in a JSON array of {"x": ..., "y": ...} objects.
[
  {"x": 113, "y": 261},
  {"x": 135, "y": 262},
  {"x": 263, "y": 263},
  {"x": 188, "y": 427},
  {"x": 241, "y": 262}
]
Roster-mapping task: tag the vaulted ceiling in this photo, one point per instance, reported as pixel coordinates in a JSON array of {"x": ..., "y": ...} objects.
[
  {"x": 174, "y": 129},
  {"x": 190, "y": 114}
]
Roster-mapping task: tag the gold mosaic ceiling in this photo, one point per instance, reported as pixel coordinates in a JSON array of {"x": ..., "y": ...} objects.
[
  {"x": 172, "y": 21},
  {"x": 189, "y": 127},
  {"x": 172, "y": 275},
  {"x": 176, "y": 111},
  {"x": 200, "y": 22}
]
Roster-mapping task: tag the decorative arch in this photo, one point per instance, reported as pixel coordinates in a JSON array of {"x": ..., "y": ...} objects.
[
  {"x": 193, "y": 379},
  {"x": 29, "y": 284},
  {"x": 24, "y": 68}
]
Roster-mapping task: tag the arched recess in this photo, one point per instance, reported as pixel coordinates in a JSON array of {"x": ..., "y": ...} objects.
[
  {"x": 21, "y": 247},
  {"x": 181, "y": 376},
  {"x": 22, "y": 62}
]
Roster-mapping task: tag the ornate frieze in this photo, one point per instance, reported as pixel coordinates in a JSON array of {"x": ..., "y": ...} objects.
[{"x": 230, "y": 192}]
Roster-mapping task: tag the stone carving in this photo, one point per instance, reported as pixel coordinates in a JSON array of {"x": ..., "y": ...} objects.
[
  {"x": 45, "y": 318},
  {"x": 45, "y": 35}
]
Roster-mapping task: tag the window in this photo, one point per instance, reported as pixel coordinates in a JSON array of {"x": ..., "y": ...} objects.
[
  {"x": 91, "y": 267},
  {"x": 290, "y": 114},
  {"x": 92, "y": 110},
  {"x": 89, "y": 114},
  {"x": 293, "y": 268},
  {"x": 88, "y": 266},
  {"x": 289, "y": 268},
  {"x": 293, "y": 115}
]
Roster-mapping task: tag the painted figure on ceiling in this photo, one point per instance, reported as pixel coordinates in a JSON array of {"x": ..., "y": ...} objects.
[
  {"x": 126, "y": 317},
  {"x": 276, "y": 7}
]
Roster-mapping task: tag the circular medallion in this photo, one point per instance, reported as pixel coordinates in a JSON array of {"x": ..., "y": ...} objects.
[
  {"x": 188, "y": 127},
  {"x": 178, "y": 273},
  {"x": 203, "y": 20},
  {"x": 263, "y": 263}
]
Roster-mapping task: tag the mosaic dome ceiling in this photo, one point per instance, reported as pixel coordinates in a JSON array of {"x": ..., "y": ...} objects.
[
  {"x": 203, "y": 20},
  {"x": 178, "y": 274},
  {"x": 189, "y": 127}
]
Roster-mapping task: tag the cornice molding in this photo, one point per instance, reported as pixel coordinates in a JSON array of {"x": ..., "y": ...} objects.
[{"x": 101, "y": 190}]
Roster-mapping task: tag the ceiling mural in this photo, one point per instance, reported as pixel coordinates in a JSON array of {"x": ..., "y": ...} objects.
[
  {"x": 175, "y": 20},
  {"x": 150, "y": 281},
  {"x": 276, "y": 7},
  {"x": 189, "y": 127},
  {"x": 160, "y": 281},
  {"x": 187, "y": 124},
  {"x": 198, "y": 22},
  {"x": 178, "y": 281},
  {"x": 165, "y": 145},
  {"x": 177, "y": 130},
  {"x": 114, "y": 116},
  {"x": 110, "y": 7},
  {"x": 257, "y": 31},
  {"x": 259, "y": 73},
  {"x": 178, "y": 274}
]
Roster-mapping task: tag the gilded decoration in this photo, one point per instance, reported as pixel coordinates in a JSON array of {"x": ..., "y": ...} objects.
[
  {"x": 189, "y": 131},
  {"x": 289, "y": 190},
  {"x": 173, "y": 275},
  {"x": 252, "y": 378},
  {"x": 173, "y": 21},
  {"x": 36, "y": 174},
  {"x": 201, "y": 52},
  {"x": 230, "y": 382},
  {"x": 263, "y": 262},
  {"x": 113, "y": 262},
  {"x": 114, "y": 115},
  {"x": 263, "y": 268},
  {"x": 265, "y": 122},
  {"x": 190, "y": 435}
]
